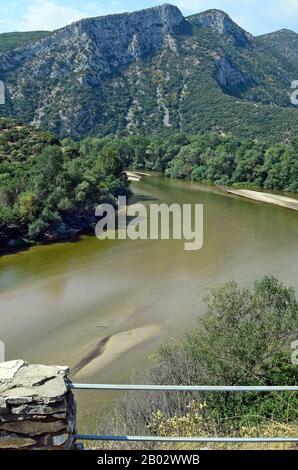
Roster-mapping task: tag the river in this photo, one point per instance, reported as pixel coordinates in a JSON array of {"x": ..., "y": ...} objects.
[{"x": 102, "y": 307}]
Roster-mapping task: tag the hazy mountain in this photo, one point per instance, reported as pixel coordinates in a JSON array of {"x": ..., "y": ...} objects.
[{"x": 154, "y": 71}]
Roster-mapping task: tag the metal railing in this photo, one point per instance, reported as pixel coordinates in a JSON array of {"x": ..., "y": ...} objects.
[{"x": 181, "y": 388}]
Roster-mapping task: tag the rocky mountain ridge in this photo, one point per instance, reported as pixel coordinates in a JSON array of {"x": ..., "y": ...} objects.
[{"x": 151, "y": 70}]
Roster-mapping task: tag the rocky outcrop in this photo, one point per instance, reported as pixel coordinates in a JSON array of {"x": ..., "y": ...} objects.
[
  {"x": 66, "y": 70},
  {"x": 230, "y": 77},
  {"x": 222, "y": 24},
  {"x": 37, "y": 410},
  {"x": 109, "y": 37}
]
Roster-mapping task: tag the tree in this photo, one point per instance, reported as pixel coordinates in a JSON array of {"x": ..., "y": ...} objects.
[
  {"x": 109, "y": 163},
  {"x": 27, "y": 205},
  {"x": 45, "y": 170}
]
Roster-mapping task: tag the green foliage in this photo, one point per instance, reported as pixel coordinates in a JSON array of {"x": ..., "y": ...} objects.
[
  {"x": 243, "y": 339},
  {"x": 43, "y": 180},
  {"x": 226, "y": 160},
  {"x": 218, "y": 158},
  {"x": 49, "y": 189}
]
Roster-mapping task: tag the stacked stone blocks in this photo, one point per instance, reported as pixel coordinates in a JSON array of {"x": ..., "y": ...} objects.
[{"x": 37, "y": 408}]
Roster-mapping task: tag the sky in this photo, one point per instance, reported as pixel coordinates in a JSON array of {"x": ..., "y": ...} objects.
[{"x": 256, "y": 16}]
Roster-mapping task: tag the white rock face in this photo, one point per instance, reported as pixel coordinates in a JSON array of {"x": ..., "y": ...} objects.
[
  {"x": 229, "y": 76},
  {"x": 224, "y": 25},
  {"x": 100, "y": 44},
  {"x": 9, "y": 369},
  {"x": 76, "y": 60}
]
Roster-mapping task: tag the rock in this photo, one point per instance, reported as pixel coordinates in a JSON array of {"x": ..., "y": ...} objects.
[
  {"x": 53, "y": 390},
  {"x": 3, "y": 407},
  {"x": 18, "y": 400},
  {"x": 50, "y": 392},
  {"x": 55, "y": 442},
  {"x": 9, "y": 369},
  {"x": 230, "y": 77},
  {"x": 59, "y": 440},
  {"x": 34, "y": 375},
  {"x": 9, "y": 418},
  {"x": 18, "y": 396},
  {"x": 34, "y": 428},
  {"x": 38, "y": 409},
  {"x": 222, "y": 24},
  {"x": 63, "y": 370},
  {"x": 35, "y": 402},
  {"x": 15, "y": 442},
  {"x": 82, "y": 56},
  {"x": 61, "y": 415}
]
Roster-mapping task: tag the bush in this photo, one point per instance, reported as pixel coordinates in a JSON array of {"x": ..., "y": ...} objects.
[{"x": 244, "y": 339}]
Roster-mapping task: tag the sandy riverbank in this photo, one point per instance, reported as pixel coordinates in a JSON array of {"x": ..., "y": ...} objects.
[
  {"x": 136, "y": 175},
  {"x": 116, "y": 346},
  {"x": 131, "y": 176},
  {"x": 275, "y": 199}
]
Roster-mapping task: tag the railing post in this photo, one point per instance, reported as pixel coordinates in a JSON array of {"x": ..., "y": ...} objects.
[{"x": 37, "y": 407}]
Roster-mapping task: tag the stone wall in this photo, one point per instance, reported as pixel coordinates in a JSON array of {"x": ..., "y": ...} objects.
[{"x": 37, "y": 409}]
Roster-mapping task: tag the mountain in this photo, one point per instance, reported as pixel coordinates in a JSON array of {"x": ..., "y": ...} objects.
[
  {"x": 219, "y": 22},
  {"x": 154, "y": 71},
  {"x": 283, "y": 43}
]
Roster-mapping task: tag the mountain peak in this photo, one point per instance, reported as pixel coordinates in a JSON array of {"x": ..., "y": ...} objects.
[
  {"x": 215, "y": 12},
  {"x": 280, "y": 33},
  {"x": 287, "y": 31},
  {"x": 151, "y": 24},
  {"x": 282, "y": 43},
  {"x": 222, "y": 24},
  {"x": 147, "y": 70},
  {"x": 166, "y": 14}
]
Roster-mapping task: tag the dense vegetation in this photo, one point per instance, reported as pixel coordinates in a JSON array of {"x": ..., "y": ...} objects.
[
  {"x": 49, "y": 189},
  {"x": 243, "y": 339},
  {"x": 229, "y": 161},
  {"x": 221, "y": 159}
]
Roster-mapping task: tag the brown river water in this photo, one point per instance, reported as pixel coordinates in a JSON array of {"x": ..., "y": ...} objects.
[{"x": 102, "y": 307}]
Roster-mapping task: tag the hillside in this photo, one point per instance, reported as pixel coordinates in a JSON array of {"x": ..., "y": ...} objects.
[
  {"x": 9, "y": 41},
  {"x": 283, "y": 43},
  {"x": 155, "y": 71}
]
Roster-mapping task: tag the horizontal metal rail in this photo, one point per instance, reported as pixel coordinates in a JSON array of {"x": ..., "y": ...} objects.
[
  {"x": 183, "y": 388},
  {"x": 90, "y": 437}
]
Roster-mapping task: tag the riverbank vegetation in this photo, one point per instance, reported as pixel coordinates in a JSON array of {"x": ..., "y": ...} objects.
[
  {"x": 50, "y": 188},
  {"x": 243, "y": 339},
  {"x": 213, "y": 158}
]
